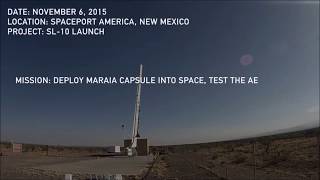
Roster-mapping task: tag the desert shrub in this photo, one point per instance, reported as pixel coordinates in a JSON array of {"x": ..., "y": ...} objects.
[
  {"x": 43, "y": 148},
  {"x": 59, "y": 148},
  {"x": 28, "y": 148},
  {"x": 91, "y": 150},
  {"x": 194, "y": 150},
  {"x": 214, "y": 157},
  {"x": 239, "y": 158},
  {"x": 6, "y": 145},
  {"x": 171, "y": 150},
  {"x": 274, "y": 159}
]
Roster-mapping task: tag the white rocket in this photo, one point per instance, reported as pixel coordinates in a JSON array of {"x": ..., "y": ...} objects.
[{"x": 135, "y": 128}]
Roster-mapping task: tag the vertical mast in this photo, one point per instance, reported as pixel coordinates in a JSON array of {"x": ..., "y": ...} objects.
[{"x": 135, "y": 131}]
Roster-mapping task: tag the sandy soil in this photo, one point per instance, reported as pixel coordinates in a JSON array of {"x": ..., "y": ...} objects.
[
  {"x": 290, "y": 156},
  {"x": 20, "y": 166},
  {"x": 293, "y": 156}
]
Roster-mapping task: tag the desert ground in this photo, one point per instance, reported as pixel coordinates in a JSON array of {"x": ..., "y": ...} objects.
[
  {"x": 35, "y": 162},
  {"x": 289, "y": 156}
]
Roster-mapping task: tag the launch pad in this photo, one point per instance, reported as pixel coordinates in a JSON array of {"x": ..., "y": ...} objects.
[{"x": 142, "y": 146}]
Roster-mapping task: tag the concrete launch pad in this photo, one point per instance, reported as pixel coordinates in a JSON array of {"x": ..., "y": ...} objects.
[{"x": 102, "y": 166}]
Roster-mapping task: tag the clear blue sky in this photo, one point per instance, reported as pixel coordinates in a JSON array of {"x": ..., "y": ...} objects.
[{"x": 282, "y": 38}]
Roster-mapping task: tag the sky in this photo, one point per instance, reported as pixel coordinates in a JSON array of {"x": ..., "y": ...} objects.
[{"x": 281, "y": 41}]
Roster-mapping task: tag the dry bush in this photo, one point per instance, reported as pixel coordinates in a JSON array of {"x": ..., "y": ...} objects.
[
  {"x": 214, "y": 156},
  {"x": 238, "y": 159},
  {"x": 274, "y": 159}
]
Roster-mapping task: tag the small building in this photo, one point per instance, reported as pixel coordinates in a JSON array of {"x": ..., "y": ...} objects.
[
  {"x": 142, "y": 146},
  {"x": 16, "y": 148}
]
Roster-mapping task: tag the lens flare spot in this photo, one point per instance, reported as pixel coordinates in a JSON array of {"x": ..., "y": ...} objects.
[{"x": 246, "y": 60}]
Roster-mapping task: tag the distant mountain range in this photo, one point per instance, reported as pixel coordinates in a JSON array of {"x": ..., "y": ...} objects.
[{"x": 301, "y": 127}]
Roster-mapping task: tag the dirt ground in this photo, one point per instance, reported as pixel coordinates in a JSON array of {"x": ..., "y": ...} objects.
[
  {"x": 292, "y": 156},
  {"x": 20, "y": 166},
  {"x": 40, "y": 167}
]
